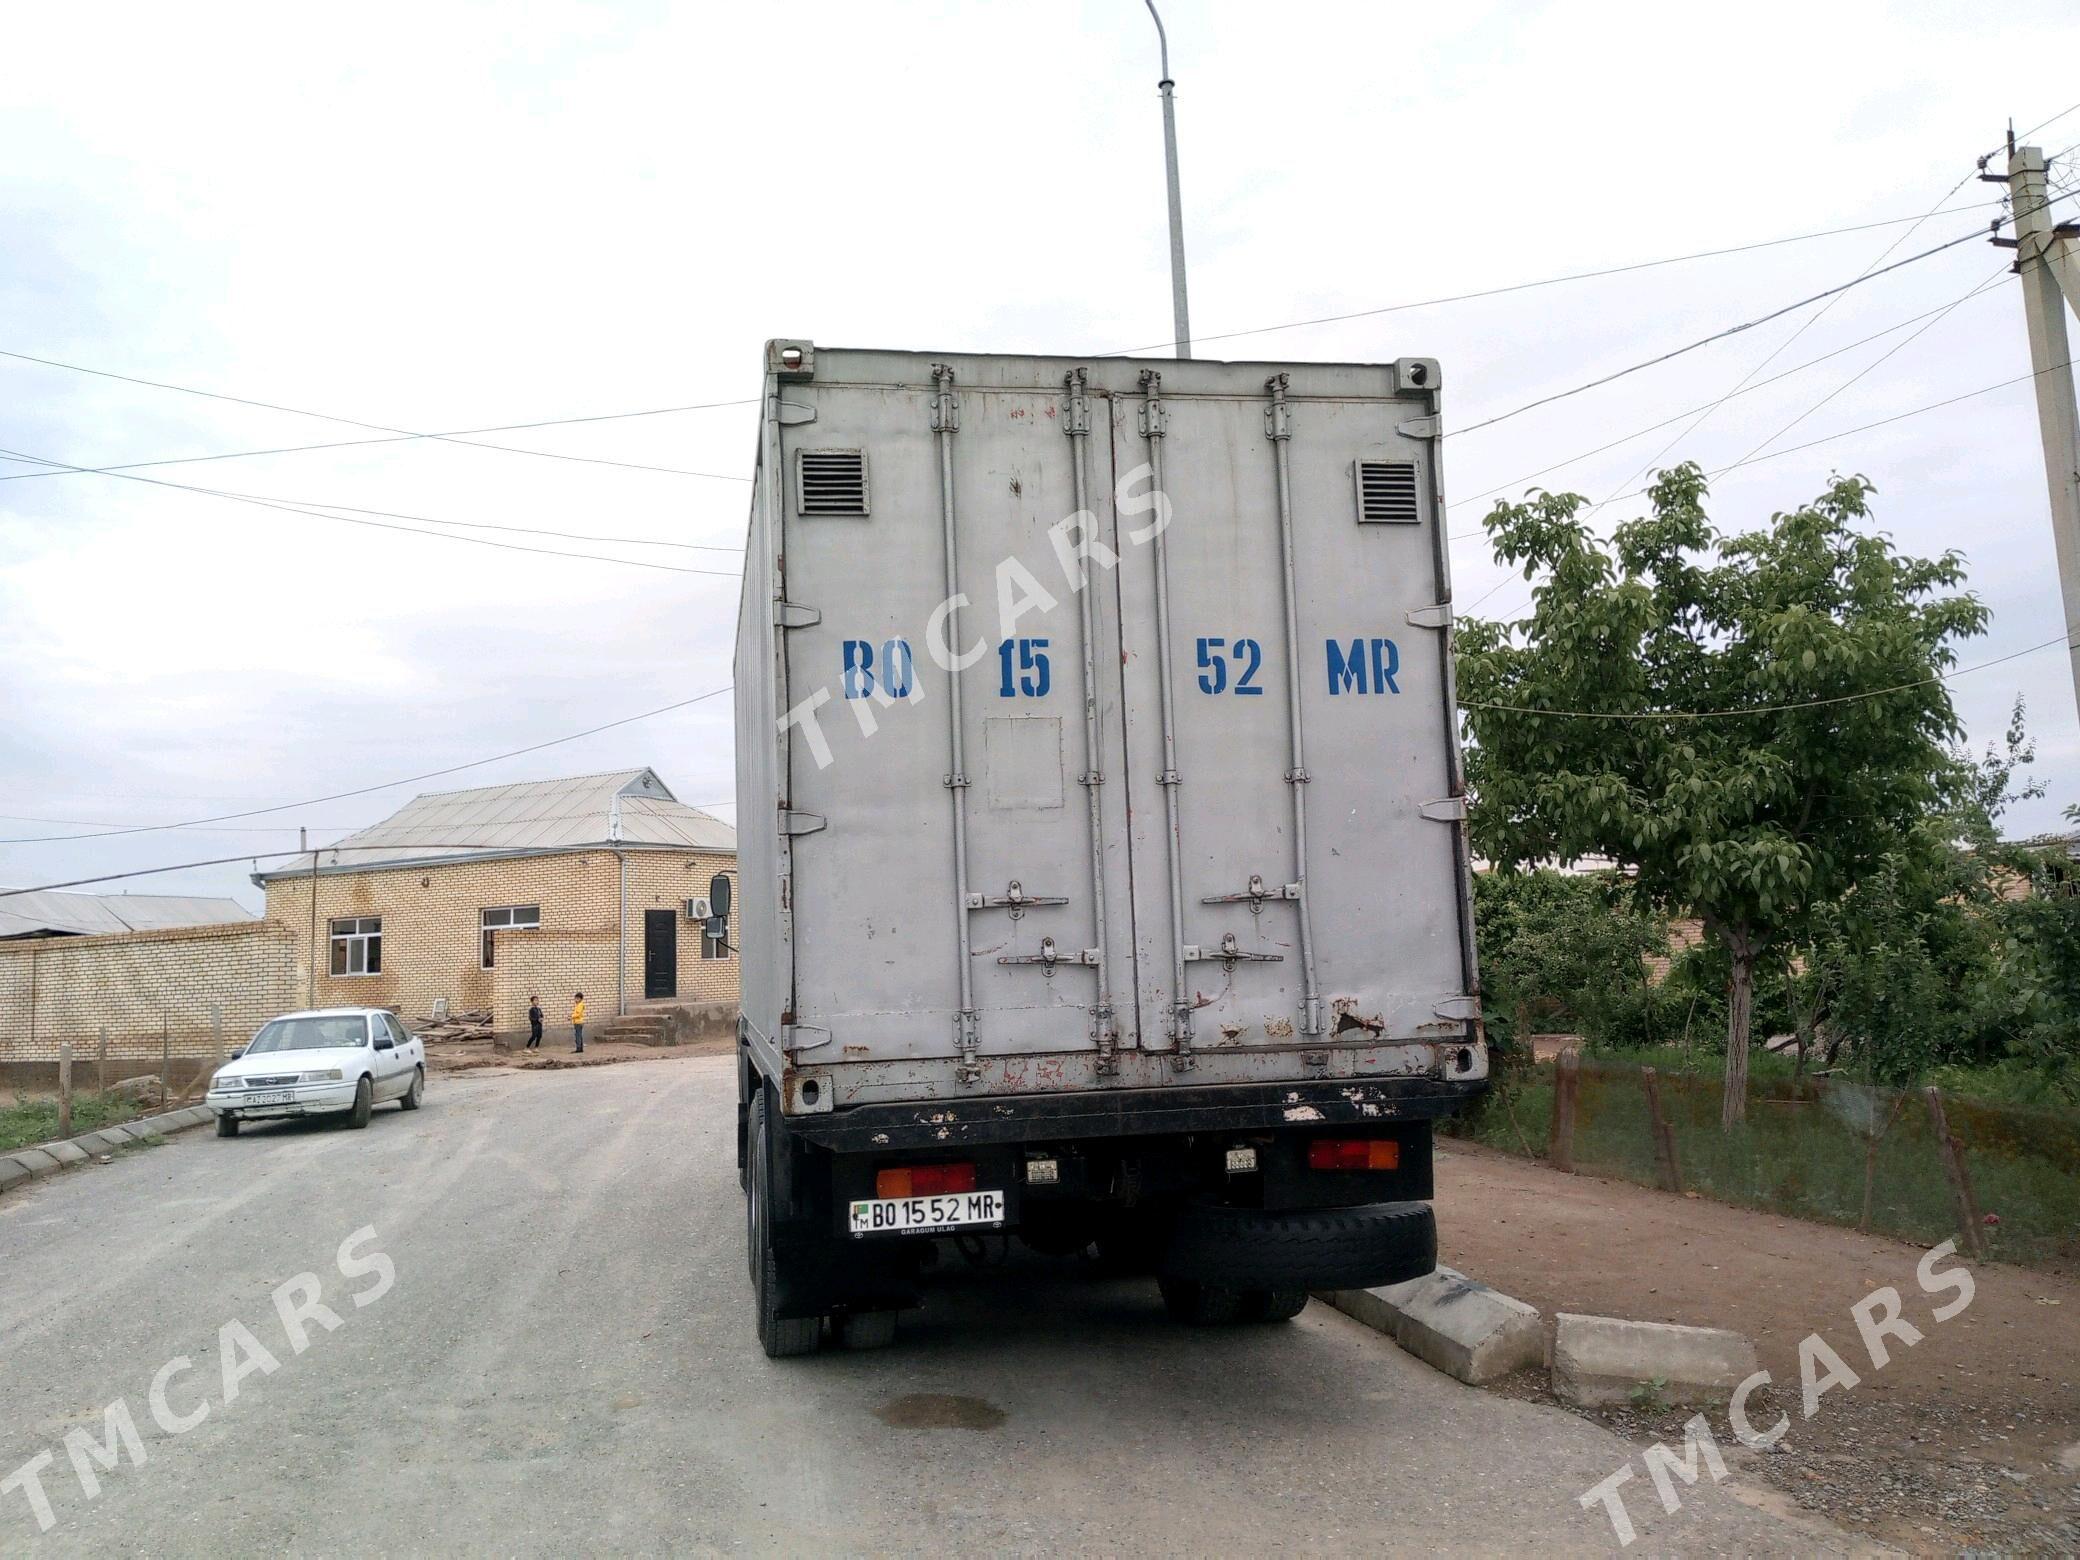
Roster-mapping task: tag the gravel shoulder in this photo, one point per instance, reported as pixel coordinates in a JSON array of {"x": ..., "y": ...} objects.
[{"x": 1969, "y": 1439}]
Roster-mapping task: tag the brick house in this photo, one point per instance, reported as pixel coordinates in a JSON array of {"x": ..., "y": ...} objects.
[{"x": 487, "y": 896}]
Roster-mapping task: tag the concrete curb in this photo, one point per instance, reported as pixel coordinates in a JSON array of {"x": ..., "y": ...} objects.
[
  {"x": 33, "y": 1164},
  {"x": 1451, "y": 1322},
  {"x": 1600, "y": 1360}
]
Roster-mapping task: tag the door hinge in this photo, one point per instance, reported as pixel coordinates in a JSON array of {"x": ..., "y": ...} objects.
[
  {"x": 1418, "y": 428},
  {"x": 1461, "y": 1009},
  {"x": 1446, "y": 809},
  {"x": 787, "y": 614},
  {"x": 797, "y": 823},
  {"x": 1438, "y": 616},
  {"x": 791, "y": 413}
]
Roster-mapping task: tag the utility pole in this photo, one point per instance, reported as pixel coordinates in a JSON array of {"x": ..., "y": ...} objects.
[
  {"x": 1180, "y": 312},
  {"x": 2049, "y": 264}
]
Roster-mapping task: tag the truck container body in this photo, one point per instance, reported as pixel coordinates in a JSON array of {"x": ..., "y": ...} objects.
[{"x": 1098, "y": 769}]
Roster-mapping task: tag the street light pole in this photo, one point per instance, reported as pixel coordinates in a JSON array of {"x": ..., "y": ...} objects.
[{"x": 1180, "y": 313}]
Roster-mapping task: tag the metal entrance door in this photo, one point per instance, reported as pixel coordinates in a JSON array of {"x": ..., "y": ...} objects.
[{"x": 660, "y": 953}]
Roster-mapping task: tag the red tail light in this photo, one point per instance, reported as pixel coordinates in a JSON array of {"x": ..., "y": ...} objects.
[
  {"x": 1354, "y": 1154},
  {"x": 924, "y": 1181}
]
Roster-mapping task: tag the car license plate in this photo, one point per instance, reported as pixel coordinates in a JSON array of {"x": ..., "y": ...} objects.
[
  {"x": 926, "y": 1215},
  {"x": 283, "y": 1098}
]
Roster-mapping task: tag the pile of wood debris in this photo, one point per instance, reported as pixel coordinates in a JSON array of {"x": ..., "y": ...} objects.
[{"x": 472, "y": 1025}]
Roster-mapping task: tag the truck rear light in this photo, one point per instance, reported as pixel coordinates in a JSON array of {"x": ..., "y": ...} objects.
[
  {"x": 924, "y": 1181},
  {"x": 1354, "y": 1154}
]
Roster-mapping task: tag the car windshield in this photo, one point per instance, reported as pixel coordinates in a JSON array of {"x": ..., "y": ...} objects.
[{"x": 323, "y": 1031}]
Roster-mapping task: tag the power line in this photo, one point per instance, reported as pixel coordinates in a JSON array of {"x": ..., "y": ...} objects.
[
  {"x": 471, "y": 525},
  {"x": 1760, "y": 384},
  {"x": 387, "y": 785},
  {"x": 224, "y": 861},
  {"x": 1549, "y": 281},
  {"x": 381, "y": 525},
  {"x": 1720, "y": 335},
  {"x": 1766, "y": 709},
  {"x": 1756, "y": 460},
  {"x": 454, "y": 436},
  {"x": 1785, "y": 345},
  {"x": 1896, "y": 347},
  {"x": 2002, "y": 144}
]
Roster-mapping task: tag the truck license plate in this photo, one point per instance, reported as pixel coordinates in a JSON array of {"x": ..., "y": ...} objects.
[{"x": 925, "y": 1215}]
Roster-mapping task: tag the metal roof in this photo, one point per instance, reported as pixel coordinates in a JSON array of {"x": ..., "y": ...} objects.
[
  {"x": 50, "y": 912},
  {"x": 580, "y": 812}
]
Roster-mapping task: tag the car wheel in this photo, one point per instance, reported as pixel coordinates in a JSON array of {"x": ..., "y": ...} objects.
[
  {"x": 227, "y": 1125},
  {"x": 364, "y": 1102},
  {"x": 781, "y": 1337},
  {"x": 412, "y": 1097}
]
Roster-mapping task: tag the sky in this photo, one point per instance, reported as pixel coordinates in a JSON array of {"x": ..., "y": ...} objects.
[{"x": 446, "y": 217}]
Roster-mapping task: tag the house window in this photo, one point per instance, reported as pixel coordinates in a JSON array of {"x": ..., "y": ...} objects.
[
  {"x": 505, "y": 917},
  {"x": 357, "y": 945}
]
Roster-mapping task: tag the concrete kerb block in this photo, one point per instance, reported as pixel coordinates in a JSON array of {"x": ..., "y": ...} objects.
[
  {"x": 106, "y": 1141},
  {"x": 35, "y": 1161},
  {"x": 1452, "y": 1322},
  {"x": 1599, "y": 1360},
  {"x": 66, "y": 1153},
  {"x": 11, "y": 1174}
]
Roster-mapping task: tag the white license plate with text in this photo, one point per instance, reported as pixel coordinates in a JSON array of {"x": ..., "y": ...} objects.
[
  {"x": 282, "y": 1098},
  {"x": 925, "y": 1215}
]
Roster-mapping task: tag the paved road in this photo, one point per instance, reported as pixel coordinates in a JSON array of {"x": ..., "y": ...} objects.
[{"x": 565, "y": 1363}]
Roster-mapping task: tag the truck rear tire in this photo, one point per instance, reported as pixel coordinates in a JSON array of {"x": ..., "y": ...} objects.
[
  {"x": 782, "y": 1337},
  {"x": 1300, "y": 1249}
]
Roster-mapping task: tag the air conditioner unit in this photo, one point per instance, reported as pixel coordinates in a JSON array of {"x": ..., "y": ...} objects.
[{"x": 697, "y": 909}]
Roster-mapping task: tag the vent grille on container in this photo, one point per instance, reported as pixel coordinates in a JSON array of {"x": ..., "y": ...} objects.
[
  {"x": 1387, "y": 492},
  {"x": 831, "y": 482}
]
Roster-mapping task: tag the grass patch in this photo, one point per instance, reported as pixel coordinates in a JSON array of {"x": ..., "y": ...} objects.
[
  {"x": 1808, "y": 1145},
  {"x": 28, "y": 1122}
]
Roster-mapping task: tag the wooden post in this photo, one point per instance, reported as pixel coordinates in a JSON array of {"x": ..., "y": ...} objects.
[
  {"x": 1560, "y": 1141},
  {"x": 65, "y": 1088},
  {"x": 101, "y": 1064},
  {"x": 1968, "y": 1232},
  {"x": 1664, "y": 1135}
]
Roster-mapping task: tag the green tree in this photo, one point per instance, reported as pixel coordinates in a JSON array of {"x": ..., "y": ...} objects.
[
  {"x": 1562, "y": 945},
  {"x": 1748, "y": 722}
]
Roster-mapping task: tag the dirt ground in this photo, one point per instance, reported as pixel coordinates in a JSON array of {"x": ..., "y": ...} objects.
[
  {"x": 554, "y": 1055},
  {"x": 1970, "y": 1439}
]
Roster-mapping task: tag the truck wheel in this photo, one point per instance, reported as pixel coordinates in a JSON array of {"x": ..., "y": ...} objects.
[
  {"x": 1203, "y": 1305},
  {"x": 1303, "y": 1249},
  {"x": 781, "y": 1337},
  {"x": 866, "y": 1329}
]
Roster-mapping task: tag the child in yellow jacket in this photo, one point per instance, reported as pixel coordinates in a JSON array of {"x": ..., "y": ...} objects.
[{"x": 578, "y": 1020}]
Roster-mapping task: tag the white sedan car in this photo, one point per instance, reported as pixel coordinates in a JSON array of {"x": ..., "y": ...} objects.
[{"x": 331, "y": 1061}]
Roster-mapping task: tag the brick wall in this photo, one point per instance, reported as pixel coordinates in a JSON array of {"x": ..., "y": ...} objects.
[
  {"x": 431, "y": 945},
  {"x": 54, "y": 989}
]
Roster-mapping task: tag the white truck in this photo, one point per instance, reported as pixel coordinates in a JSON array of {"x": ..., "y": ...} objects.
[{"x": 1102, "y": 844}]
